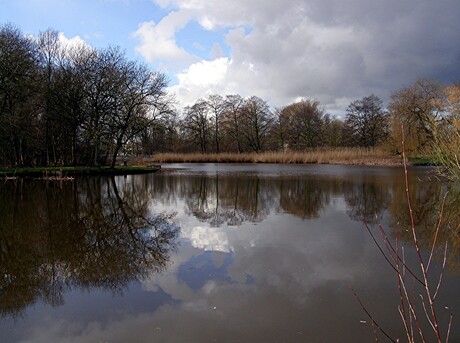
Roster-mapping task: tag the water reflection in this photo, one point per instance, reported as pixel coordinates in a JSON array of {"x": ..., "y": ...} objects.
[
  {"x": 426, "y": 204},
  {"x": 367, "y": 199},
  {"x": 263, "y": 256},
  {"x": 94, "y": 233},
  {"x": 230, "y": 200},
  {"x": 233, "y": 199}
]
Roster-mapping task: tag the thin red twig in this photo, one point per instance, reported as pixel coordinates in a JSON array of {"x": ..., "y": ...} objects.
[
  {"x": 417, "y": 248},
  {"x": 388, "y": 243},
  {"x": 426, "y": 312},
  {"x": 386, "y": 257},
  {"x": 402, "y": 307},
  {"x": 412, "y": 311},
  {"x": 442, "y": 272},
  {"x": 437, "y": 231},
  {"x": 375, "y": 333},
  {"x": 448, "y": 328},
  {"x": 370, "y": 316}
]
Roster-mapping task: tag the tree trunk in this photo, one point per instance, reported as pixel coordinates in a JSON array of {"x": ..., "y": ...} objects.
[{"x": 115, "y": 153}]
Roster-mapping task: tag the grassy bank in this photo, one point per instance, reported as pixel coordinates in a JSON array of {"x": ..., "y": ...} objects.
[
  {"x": 62, "y": 172},
  {"x": 320, "y": 156}
]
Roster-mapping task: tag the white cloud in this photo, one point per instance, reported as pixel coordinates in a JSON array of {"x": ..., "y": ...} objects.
[
  {"x": 70, "y": 42},
  {"x": 206, "y": 73},
  {"x": 158, "y": 42},
  {"x": 207, "y": 238},
  {"x": 329, "y": 50},
  {"x": 207, "y": 23},
  {"x": 201, "y": 79}
]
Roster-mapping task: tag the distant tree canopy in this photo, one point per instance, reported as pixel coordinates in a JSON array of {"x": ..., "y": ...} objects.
[
  {"x": 419, "y": 109},
  {"x": 366, "y": 122},
  {"x": 427, "y": 116},
  {"x": 236, "y": 124},
  {"x": 304, "y": 123},
  {"x": 77, "y": 105}
]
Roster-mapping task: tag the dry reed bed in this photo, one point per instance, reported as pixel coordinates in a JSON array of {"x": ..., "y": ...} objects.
[{"x": 320, "y": 156}]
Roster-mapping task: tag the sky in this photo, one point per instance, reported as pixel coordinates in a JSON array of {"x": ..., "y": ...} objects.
[{"x": 334, "y": 51}]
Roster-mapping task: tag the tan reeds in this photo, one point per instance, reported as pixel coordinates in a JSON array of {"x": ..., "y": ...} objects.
[{"x": 359, "y": 156}]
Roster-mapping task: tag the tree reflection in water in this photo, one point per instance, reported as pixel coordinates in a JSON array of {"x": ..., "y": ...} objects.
[
  {"x": 230, "y": 200},
  {"x": 94, "y": 232},
  {"x": 426, "y": 205},
  {"x": 98, "y": 232},
  {"x": 233, "y": 199}
]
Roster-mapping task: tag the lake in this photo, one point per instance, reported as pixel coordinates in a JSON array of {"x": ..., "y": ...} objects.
[{"x": 221, "y": 253}]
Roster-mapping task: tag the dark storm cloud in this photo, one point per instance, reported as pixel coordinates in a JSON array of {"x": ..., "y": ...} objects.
[{"x": 332, "y": 50}]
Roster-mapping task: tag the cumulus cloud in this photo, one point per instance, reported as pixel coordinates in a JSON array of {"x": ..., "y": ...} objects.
[
  {"x": 70, "y": 42},
  {"x": 202, "y": 79},
  {"x": 330, "y": 50},
  {"x": 207, "y": 238},
  {"x": 157, "y": 40}
]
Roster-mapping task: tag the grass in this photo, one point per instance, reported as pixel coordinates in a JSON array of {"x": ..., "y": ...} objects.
[
  {"x": 79, "y": 170},
  {"x": 356, "y": 156},
  {"x": 422, "y": 161}
]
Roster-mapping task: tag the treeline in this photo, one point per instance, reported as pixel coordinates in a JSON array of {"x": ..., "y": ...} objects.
[
  {"x": 236, "y": 124},
  {"x": 69, "y": 105},
  {"x": 427, "y": 111},
  {"x": 62, "y": 105}
]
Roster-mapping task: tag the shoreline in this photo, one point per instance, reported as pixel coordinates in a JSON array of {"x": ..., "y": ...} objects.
[
  {"x": 152, "y": 164},
  {"x": 64, "y": 173}
]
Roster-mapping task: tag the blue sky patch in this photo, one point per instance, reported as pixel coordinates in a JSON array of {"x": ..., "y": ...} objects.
[
  {"x": 200, "y": 269},
  {"x": 200, "y": 42}
]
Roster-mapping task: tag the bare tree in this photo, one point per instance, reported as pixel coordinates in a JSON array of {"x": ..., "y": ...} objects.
[
  {"x": 419, "y": 109},
  {"x": 447, "y": 135},
  {"x": 80, "y": 105},
  {"x": 98, "y": 69},
  {"x": 69, "y": 103},
  {"x": 304, "y": 121},
  {"x": 366, "y": 122},
  {"x": 197, "y": 124},
  {"x": 333, "y": 131},
  {"x": 280, "y": 129},
  {"x": 231, "y": 119},
  {"x": 18, "y": 91},
  {"x": 48, "y": 47},
  {"x": 216, "y": 107},
  {"x": 139, "y": 99},
  {"x": 257, "y": 120}
]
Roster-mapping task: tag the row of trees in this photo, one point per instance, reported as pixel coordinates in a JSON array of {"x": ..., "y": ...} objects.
[
  {"x": 72, "y": 105},
  {"x": 429, "y": 113},
  {"x": 63, "y": 105},
  {"x": 232, "y": 123}
]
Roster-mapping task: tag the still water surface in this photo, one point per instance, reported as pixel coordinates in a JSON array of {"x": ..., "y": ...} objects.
[{"x": 215, "y": 253}]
